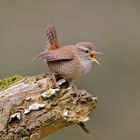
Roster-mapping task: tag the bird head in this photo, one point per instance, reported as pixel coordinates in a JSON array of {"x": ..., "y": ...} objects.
[{"x": 88, "y": 50}]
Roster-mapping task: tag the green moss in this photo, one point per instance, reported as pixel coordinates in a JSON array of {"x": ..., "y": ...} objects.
[{"x": 8, "y": 81}]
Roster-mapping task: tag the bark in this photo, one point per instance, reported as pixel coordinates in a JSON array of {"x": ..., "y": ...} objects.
[{"x": 30, "y": 108}]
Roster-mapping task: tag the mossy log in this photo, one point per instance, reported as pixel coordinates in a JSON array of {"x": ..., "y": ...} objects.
[{"x": 30, "y": 108}]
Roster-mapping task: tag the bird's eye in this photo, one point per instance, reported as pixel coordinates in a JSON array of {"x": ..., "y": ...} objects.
[{"x": 87, "y": 51}]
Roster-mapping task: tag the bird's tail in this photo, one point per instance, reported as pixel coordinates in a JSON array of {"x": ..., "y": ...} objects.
[{"x": 52, "y": 38}]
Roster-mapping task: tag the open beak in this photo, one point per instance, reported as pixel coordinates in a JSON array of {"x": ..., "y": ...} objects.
[
  {"x": 98, "y": 53},
  {"x": 93, "y": 55},
  {"x": 94, "y": 59}
]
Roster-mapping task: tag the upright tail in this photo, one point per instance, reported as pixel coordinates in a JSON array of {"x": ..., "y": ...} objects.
[{"x": 52, "y": 38}]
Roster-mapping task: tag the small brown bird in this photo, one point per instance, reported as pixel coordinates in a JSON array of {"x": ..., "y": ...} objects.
[{"x": 70, "y": 61}]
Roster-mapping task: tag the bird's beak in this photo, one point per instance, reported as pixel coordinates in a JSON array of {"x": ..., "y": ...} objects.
[
  {"x": 93, "y": 59},
  {"x": 98, "y": 53}
]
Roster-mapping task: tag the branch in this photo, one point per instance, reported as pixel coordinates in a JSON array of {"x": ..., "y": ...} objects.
[{"x": 31, "y": 109}]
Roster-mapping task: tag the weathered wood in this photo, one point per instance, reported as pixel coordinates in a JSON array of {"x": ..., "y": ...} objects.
[{"x": 31, "y": 109}]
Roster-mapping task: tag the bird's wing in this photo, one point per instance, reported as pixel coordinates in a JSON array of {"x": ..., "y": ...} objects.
[{"x": 57, "y": 55}]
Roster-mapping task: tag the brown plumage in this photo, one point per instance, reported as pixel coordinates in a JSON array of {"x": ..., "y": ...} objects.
[
  {"x": 52, "y": 38},
  {"x": 69, "y": 61}
]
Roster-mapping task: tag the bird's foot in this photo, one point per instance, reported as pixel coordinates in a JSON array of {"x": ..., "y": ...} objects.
[
  {"x": 55, "y": 85},
  {"x": 77, "y": 98},
  {"x": 77, "y": 92},
  {"x": 57, "y": 81}
]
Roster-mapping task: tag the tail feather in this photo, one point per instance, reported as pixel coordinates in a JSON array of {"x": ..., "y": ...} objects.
[
  {"x": 52, "y": 37},
  {"x": 52, "y": 40}
]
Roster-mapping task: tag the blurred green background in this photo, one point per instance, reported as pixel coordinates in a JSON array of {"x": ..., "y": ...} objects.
[{"x": 114, "y": 26}]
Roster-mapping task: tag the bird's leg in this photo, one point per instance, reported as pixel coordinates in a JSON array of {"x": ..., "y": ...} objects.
[
  {"x": 52, "y": 77},
  {"x": 78, "y": 95},
  {"x": 54, "y": 80}
]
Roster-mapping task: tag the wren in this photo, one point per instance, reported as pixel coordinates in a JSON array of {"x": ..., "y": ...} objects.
[{"x": 70, "y": 61}]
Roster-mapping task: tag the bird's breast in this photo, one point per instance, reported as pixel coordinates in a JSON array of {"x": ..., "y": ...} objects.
[{"x": 85, "y": 66}]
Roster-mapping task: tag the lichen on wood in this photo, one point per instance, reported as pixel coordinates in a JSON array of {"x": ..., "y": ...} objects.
[
  {"x": 8, "y": 81},
  {"x": 31, "y": 108}
]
